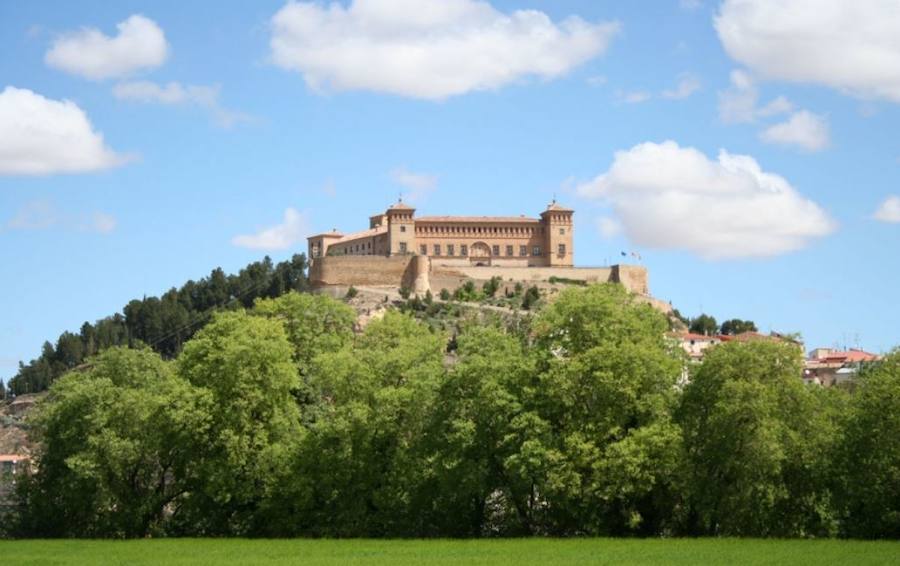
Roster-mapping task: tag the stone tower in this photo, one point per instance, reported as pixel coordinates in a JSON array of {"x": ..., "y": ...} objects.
[
  {"x": 401, "y": 229},
  {"x": 557, "y": 221}
]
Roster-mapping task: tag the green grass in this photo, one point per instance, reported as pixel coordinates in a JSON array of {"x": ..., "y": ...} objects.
[{"x": 516, "y": 552}]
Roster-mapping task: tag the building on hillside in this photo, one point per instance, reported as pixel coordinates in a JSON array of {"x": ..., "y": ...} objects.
[
  {"x": 695, "y": 345},
  {"x": 828, "y": 367},
  {"x": 11, "y": 467},
  {"x": 511, "y": 241}
]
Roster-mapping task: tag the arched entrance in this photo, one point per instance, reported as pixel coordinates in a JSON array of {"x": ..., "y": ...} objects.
[{"x": 480, "y": 254}]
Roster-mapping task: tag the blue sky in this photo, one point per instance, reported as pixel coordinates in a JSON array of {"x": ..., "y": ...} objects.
[{"x": 219, "y": 119}]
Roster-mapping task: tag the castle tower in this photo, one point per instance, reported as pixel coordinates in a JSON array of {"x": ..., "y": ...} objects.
[
  {"x": 557, "y": 221},
  {"x": 401, "y": 229}
]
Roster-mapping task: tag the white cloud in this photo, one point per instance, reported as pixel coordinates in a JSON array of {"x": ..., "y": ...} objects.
[
  {"x": 43, "y": 215},
  {"x": 35, "y": 215},
  {"x": 803, "y": 129},
  {"x": 666, "y": 196},
  {"x": 609, "y": 227},
  {"x": 101, "y": 223},
  {"x": 41, "y": 136},
  {"x": 852, "y": 46},
  {"x": 418, "y": 184},
  {"x": 174, "y": 93},
  {"x": 690, "y": 4},
  {"x": 428, "y": 49},
  {"x": 738, "y": 103},
  {"x": 597, "y": 80},
  {"x": 780, "y": 105},
  {"x": 687, "y": 85},
  {"x": 889, "y": 210},
  {"x": 282, "y": 236},
  {"x": 140, "y": 44},
  {"x": 634, "y": 97}
]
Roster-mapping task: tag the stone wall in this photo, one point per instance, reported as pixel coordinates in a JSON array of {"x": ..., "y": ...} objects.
[
  {"x": 361, "y": 270},
  {"x": 632, "y": 277},
  {"x": 418, "y": 273}
]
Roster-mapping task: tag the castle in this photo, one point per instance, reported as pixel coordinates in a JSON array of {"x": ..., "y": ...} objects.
[
  {"x": 512, "y": 241},
  {"x": 434, "y": 252}
]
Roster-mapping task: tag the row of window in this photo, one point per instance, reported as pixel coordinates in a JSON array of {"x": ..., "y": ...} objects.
[
  {"x": 495, "y": 250},
  {"x": 495, "y": 230}
]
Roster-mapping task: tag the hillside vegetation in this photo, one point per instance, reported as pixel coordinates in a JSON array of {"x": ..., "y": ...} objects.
[
  {"x": 163, "y": 323},
  {"x": 281, "y": 421}
]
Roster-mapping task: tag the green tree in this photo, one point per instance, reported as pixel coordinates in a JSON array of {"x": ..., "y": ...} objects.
[
  {"x": 491, "y": 286},
  {"x": 737, "y": 326},
  {"x": 704, "y": 324},
  {"x": 314, "y": 323},
  {"x": 606, "y": 386},
  {"x": 476, "y": 431},
  {"x": 359, "y": 462},
  {"x": 245, "y": 364},
  {"x": 756, "y": 440},
  {"x": 116, "y": 449},
  {"x": 867, "y": 470}
]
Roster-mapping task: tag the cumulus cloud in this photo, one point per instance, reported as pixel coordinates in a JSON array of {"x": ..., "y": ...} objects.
[
  {"x": 44, "y": 214},
  {"x": 852, "y": 46},
  {"x": 140, "y": 44},
  {"x": 174, "y": 93},
  {"x": 687, "y": 85},
  {"x": 428, "y": 49},
  {"x": 41, "y": 136},
  {"x": 667, "y": 196},
  {"x": 739, "y": 103},
  {"x": 291, "y": 231},
  {"x": 889, "y": 210},
  {"x": 419, "y": 185},
  {"x": 803, "y": 129}
]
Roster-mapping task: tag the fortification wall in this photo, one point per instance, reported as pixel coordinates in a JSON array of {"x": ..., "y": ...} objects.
[
  {"x": 419, "y": 273},
  {"x": 632, "y": 277},
  {"x": 361, "y": 270}
]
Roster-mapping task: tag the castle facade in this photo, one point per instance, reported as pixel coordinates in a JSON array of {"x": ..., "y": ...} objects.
[{"x": 503, "y": 241}]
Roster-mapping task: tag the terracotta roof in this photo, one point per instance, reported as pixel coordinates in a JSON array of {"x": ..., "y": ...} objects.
[
  {"x": 484, "y": 219},
  {"x": 362, "y": 234},
  {"x": 13, "y": 458},
  {"x": 400, "y": 206},
  {"x": 851, "y": 356},
  {"x": 332, "y": 234},
  {"x": 556, "y": 207},
  {"x": 694, "y": 336}
]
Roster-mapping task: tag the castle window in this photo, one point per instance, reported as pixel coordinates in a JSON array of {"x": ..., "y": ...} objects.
[
  {"x": 509, "y": 250},
  {"x": 562, "y": 231},
  {"x": 523, "y": 251},
  {"x": 423, "y": 250},
  {"x": 562, "y": 249},
  {"x": 450, "y": 249},
  {"x": 495, "y": 250},
  {"x": 536, "y": 251},
  {"x": 403, "y": 228},
  {"x": 437, "y": 249},
  {"x": 402, "y": 247},
  {"x": 463, "y": 250}
]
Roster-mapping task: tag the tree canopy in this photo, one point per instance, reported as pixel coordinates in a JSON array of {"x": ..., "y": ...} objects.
[{"x": 282, "y": 420}]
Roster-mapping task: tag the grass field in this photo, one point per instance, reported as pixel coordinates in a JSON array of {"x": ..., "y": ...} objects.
[{"x": 516, "y": 552}]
